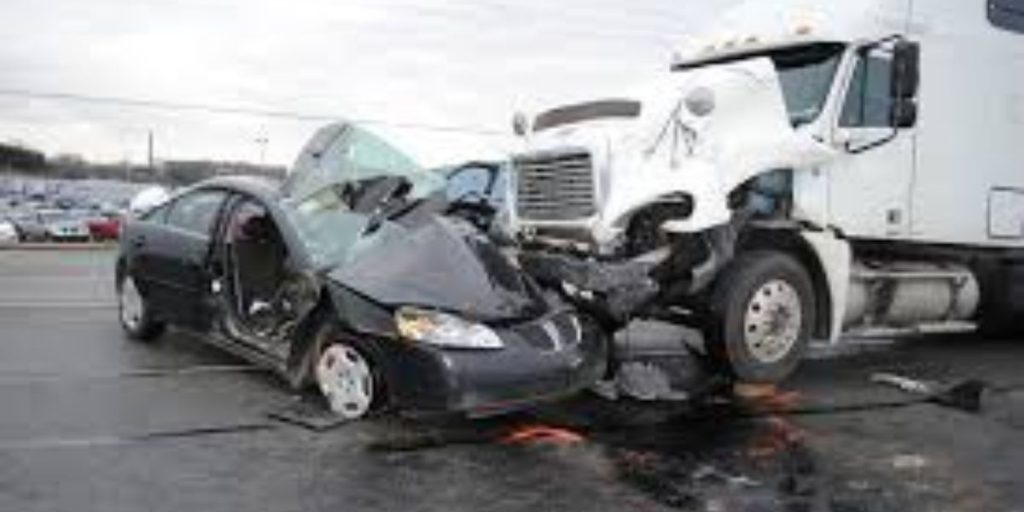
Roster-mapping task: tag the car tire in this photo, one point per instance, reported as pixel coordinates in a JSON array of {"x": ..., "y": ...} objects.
[
  {"x": 134, "y": 313},
  {"x": 762, "y": 311},
  {"x": 347, "y": 375}
]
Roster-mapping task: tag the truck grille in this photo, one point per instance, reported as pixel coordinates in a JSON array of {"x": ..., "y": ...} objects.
[{"x": 555, "y": 187}]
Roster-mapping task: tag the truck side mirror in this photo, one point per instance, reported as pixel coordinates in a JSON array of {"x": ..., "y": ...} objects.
[
  {"x": 520, "y": 124},
  {"x": 906, "y": 80},
  {"x": 903, "y": 113},
  {"x": 906, "y": 70}
]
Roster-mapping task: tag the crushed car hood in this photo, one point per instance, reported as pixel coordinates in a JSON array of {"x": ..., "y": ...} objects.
[{"x": 441, "y": 264}]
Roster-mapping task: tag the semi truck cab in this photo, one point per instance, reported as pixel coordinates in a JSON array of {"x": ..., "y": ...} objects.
[{"x": 808, "y": 168}]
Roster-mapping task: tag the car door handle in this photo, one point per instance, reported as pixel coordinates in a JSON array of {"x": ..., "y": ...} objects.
[{"x": 139, "y": 241}]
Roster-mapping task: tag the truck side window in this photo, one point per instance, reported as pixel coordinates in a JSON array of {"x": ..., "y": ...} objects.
[
  {"x": 1007, "y": 14},
  {"x": 868, "y": 100}
]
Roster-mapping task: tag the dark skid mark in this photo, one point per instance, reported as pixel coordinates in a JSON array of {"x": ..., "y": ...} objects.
[
  {"x": 15, "y": 378},
  {"x": 159, "y": 435}
]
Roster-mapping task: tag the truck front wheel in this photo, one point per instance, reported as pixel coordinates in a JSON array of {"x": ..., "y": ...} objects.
[{"x": 761, "y": 314}]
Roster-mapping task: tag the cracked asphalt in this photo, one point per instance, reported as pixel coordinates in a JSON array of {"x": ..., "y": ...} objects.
[{"x": 92, "y": 422}]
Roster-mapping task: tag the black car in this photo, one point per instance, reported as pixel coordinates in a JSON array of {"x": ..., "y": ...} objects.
[{"x": 361, "y": 276}]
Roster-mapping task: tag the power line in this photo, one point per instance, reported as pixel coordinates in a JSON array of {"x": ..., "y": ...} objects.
[
  {"x": 619, "y": 21},
  {"x": 244, "y": 111}
]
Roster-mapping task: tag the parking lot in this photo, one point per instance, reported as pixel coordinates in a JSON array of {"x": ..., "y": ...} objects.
[{"x": 90, "y": 421}]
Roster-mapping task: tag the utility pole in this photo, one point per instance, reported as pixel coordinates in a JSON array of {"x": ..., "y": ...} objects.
[
  {"x": 149, "y": 151},
  {"x": 262, "y": 141}
]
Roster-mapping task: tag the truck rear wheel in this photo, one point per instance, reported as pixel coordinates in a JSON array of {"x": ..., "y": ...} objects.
[
  {"x": 1002, "y": 301},
  {"x": 762, "y": 311}
]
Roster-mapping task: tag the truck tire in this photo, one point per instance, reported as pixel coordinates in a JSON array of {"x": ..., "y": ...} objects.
[{"x": 762, "y": 310}]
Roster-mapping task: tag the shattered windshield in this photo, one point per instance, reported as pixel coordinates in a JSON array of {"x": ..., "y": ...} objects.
[
  {"x": 342, "y": 178},
  {"x": 345, "y": 153}
]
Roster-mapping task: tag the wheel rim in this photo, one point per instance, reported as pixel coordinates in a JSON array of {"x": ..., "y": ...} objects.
[
  {"x": 132, "y": 307},
  {"x": 345, "y": 380},
  {"x": 773, "y": 321}
]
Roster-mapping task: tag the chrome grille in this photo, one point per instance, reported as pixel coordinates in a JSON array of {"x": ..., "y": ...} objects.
[{"x": 554, "y": 187}]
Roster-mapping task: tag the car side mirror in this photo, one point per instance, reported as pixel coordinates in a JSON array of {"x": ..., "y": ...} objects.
[{"x": 906, "y": 70}]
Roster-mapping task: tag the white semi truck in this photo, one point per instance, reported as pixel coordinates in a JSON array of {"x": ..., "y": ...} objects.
[{"x": 808, "y": 168}]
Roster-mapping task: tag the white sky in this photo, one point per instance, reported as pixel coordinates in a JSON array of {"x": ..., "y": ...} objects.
[{"x": 436, "y": 62}]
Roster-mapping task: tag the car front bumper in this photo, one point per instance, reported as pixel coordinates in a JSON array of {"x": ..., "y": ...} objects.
[{"x": 481, "y": 383}]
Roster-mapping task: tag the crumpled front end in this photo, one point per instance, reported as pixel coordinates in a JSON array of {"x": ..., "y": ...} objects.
[
  {"x": 545, "y": 359},
  {"x": 547, "y": 350},
  {"x": 701, "y": 134}
]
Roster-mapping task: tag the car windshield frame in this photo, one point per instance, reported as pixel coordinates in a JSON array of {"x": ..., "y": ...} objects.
[
  {"x": 815, "y": 64},
  {"x": 332, "y": 234}
]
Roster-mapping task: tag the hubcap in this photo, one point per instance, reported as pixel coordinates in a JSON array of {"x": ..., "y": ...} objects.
[
  {"x": 772, "y": 321},
  {"x": 131, "y": 304},
  {"x": 345, "y": 380}
]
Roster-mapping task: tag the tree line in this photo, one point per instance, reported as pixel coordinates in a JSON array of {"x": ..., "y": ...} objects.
[{"x": 30, "y": 162}]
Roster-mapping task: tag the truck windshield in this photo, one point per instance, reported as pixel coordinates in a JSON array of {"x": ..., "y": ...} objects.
[{"x": 805, "y": 72}]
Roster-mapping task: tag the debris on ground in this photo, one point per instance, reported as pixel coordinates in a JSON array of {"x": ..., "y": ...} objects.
[
  {"x": 309, "y": 414},
  {"x": 542, "y": 434},
  {"x": 966, "y": 396},
  {"x": 909, "y": 462}
]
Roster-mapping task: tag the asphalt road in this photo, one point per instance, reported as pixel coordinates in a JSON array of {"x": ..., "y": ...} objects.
[{"x": 92, "y": 422}]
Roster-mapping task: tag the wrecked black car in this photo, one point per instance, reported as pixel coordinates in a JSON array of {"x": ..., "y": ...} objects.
[{"x": 360, "y": 276}]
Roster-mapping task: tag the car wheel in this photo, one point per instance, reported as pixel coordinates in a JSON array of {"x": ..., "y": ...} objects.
[
  {"x": 347, "y": 378},
  {"x": 134, "y": 312},
  {"x": 762, "y": 312}
]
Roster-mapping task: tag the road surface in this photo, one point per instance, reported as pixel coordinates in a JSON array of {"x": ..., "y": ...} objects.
[{"x": 92, "y": 422}]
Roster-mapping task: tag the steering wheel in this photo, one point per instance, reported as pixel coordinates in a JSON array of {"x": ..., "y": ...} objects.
[{"x": 474, "y": 207}]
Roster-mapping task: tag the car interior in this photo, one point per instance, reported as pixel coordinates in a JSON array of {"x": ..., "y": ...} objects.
[{"x": 257, "y": 269}]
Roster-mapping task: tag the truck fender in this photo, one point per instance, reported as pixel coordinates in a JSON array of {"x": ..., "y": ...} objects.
[{"x": 834, "y": 258}]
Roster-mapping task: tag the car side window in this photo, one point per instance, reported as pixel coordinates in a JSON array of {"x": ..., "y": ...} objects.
[
  {"x": 868, "y": 101},
  {"x": 157, "y": 215},
  {"x": 1007, "y": 14},
  {"x": 196, "y": 212}
]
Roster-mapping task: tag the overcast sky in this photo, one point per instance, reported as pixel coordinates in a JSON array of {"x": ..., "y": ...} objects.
[{"x": 465, "y": 63}]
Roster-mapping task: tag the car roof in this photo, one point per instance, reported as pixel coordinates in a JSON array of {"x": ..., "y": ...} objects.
[{"x": 262, "y": 188}]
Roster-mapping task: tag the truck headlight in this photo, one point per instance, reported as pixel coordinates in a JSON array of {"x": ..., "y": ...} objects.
[
  {"x": 701, "y": 102},
  {"x": 444, "y": 330}
]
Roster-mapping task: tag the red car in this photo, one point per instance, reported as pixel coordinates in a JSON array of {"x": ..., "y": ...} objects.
[{"x": 105, "y": 228}]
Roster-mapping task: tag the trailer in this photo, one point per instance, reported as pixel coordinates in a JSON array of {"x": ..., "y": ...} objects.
[{"x": 806, "y": 169}]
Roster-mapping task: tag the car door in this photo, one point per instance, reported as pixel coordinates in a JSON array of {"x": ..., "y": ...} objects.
[
  {"x": 172, "y": 257},
  {"x": 870, "y": 183}
]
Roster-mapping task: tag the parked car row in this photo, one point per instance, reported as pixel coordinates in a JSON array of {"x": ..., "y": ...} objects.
[
  {"x": 36, "y": 210},
  {"x": 54, "y": 225}
]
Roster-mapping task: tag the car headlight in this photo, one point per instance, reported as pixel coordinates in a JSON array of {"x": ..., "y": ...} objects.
[{"x": 444, "y": 330}]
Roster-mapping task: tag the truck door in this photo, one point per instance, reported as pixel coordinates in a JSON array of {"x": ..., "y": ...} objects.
[{"x": 870, "y": 183}]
